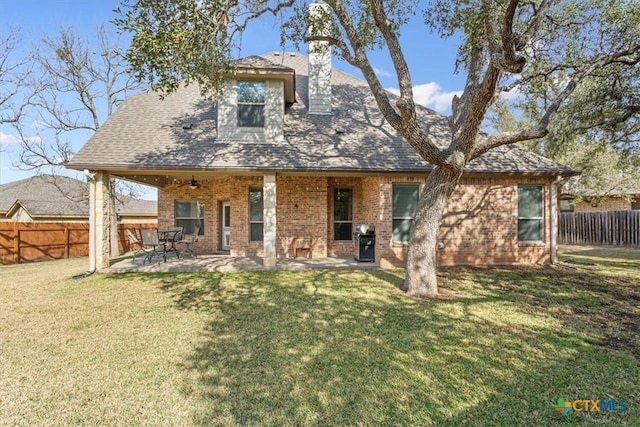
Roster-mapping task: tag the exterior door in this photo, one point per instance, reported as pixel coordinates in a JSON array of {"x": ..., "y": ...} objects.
[{"x": 226, "y": 226}]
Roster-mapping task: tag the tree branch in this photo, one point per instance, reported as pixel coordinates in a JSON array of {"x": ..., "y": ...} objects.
[
  {"x": 274, "y": 10},
  {"x": 535, "y": 22},
  {"x": 541, "y": 129},
  {"x": 630, "y": 111},
  {"x": 360, "y": 60},
  {"x": 407, "y": 125}
]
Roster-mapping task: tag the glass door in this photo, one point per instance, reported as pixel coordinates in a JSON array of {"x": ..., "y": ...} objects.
[{"x": 226, "y": 226}]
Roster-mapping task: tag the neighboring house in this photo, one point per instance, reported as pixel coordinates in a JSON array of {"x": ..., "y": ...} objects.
[
  {"x": 612, "y": 202},
  {"x": 294, "y": 155},
  {"x": 47, "y": 198}
]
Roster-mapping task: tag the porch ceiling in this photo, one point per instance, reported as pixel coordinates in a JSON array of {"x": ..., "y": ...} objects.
[{"x": 161, "y": 179}]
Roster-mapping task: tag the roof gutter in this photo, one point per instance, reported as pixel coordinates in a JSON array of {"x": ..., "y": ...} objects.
[{"x": 125, "y": 170}]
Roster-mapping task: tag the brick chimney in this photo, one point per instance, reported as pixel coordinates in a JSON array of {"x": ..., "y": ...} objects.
[{"x": 319, "y": 65}]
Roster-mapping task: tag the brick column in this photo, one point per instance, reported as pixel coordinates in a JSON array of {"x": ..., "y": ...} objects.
[{"x": 269, "y": 212}]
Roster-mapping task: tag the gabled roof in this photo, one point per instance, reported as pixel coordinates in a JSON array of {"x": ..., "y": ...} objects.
[
  {"x": 254, "y": 66},
  {"x": 60, "y": 196},
  {"x": 147, "y": 133},
  {"x": 46, "y": 194}
]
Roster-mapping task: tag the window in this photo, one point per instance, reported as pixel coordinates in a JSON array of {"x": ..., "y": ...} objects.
[
  {"x": 635, "y": 204},
  {"x": 530, "y": 213},
  {"x": 566, "y": 206},
  {"x": 256, "y": 218},
  {"x": 405, "y": 201},
  {"x": 189, "y": 215},
  {"x": 251, "y": 101},
  {"x": 342, "y": 214}
]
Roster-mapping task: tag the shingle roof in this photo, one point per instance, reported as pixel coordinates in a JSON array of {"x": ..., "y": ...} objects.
[
  {"x": 259, "y": 62},
  {"x": 147, "y": 133},
  {"x": 47, "y": 195}
]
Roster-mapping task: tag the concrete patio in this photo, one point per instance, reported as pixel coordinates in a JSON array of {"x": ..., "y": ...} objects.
[{"x": 226, "y": 263}]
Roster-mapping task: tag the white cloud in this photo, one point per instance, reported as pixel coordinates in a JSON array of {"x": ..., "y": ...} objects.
[
  {"x": 431, "y": 95},
  {"x": 40, "y": 124},
  {"x": 382, "y": 73},
  {"x": 7, "y": 139},
  {"x": 513, "y": 94}
]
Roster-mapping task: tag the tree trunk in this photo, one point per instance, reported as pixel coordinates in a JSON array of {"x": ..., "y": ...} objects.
[{"x": 421, "y": 279}]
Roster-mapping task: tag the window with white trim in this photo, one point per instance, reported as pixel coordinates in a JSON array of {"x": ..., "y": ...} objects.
[
  {"x": 404, "y": 203},
  {"x": 530, "y": 213},
  {"x": 189, "y": 214},
  {"x": 251, "y": 103},
  {"x": 342, "y": 214},
  {"x": 256, "y": 215}
]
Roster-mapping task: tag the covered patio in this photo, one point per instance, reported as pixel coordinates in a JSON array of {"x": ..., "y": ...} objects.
[{"x": 227, "y": 263}]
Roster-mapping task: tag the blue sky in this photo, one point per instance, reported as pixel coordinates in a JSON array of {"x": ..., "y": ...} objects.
[{"x": 431, "y": 60}]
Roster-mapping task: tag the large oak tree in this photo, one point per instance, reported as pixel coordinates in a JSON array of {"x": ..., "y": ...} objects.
[{"x": 505, "y": 44}]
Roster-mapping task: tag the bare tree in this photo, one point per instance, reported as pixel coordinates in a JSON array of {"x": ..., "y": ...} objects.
[
  {"x": 13, "y": 71},
  {"x": 78, "y": 87},
  {"x": 74, "y": 87}
]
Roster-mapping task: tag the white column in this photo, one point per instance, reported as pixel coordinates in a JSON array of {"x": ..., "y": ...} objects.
[
  {"x": 553, "y": 202},
  {"x": 269, "y": 218}
]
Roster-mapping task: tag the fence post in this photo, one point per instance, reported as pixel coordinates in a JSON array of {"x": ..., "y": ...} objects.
[
  {"x": 16, "y": 245},
  {"x": 66, "y": 245}
]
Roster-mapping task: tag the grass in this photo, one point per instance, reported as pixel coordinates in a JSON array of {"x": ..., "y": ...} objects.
[{"x": 320, "y": 348}]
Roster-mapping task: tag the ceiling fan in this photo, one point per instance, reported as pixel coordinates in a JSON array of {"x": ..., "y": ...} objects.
[{"x": 192, "y": 183}]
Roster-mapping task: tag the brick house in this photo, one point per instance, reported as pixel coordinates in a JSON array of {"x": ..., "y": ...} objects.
[{"x": 294, "y": 154}]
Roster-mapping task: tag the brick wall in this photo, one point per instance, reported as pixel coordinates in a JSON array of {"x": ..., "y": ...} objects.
[
  {"x": 302, "y": 216},
  {"x": 213, "y": 192},
  {"x": 389, "y": 254},
  {"x": 479, "y": 226},
  {"x": 301, "y": 213}
]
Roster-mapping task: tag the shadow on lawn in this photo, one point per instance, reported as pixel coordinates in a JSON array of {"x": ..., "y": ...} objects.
[
  {"x": 344, "y": 348},
  {"x": 605, "y": 310}
]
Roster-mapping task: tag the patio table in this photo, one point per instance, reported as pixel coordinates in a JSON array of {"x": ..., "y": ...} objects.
[{"x": 169, "y": 238}]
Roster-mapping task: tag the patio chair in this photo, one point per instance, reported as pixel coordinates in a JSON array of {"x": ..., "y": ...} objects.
[
  {"x": 151, "y": 242},
  {"x": 188, "y": 241},
  {"x": 133, "y": 240}
]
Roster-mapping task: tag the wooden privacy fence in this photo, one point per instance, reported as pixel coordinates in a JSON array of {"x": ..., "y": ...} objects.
[
  {"x": 620, "y": 228},
  {"x": 33, "y": 241}
]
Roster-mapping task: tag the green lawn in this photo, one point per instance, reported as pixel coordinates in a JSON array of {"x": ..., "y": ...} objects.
[{"x": 320, "y": 348}]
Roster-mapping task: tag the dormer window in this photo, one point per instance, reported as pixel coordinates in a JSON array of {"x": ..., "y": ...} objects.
[{"x": 251, "y": 103}]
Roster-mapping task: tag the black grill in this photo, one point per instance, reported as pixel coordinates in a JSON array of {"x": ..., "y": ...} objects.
[{"x": 365, "y": 239}]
